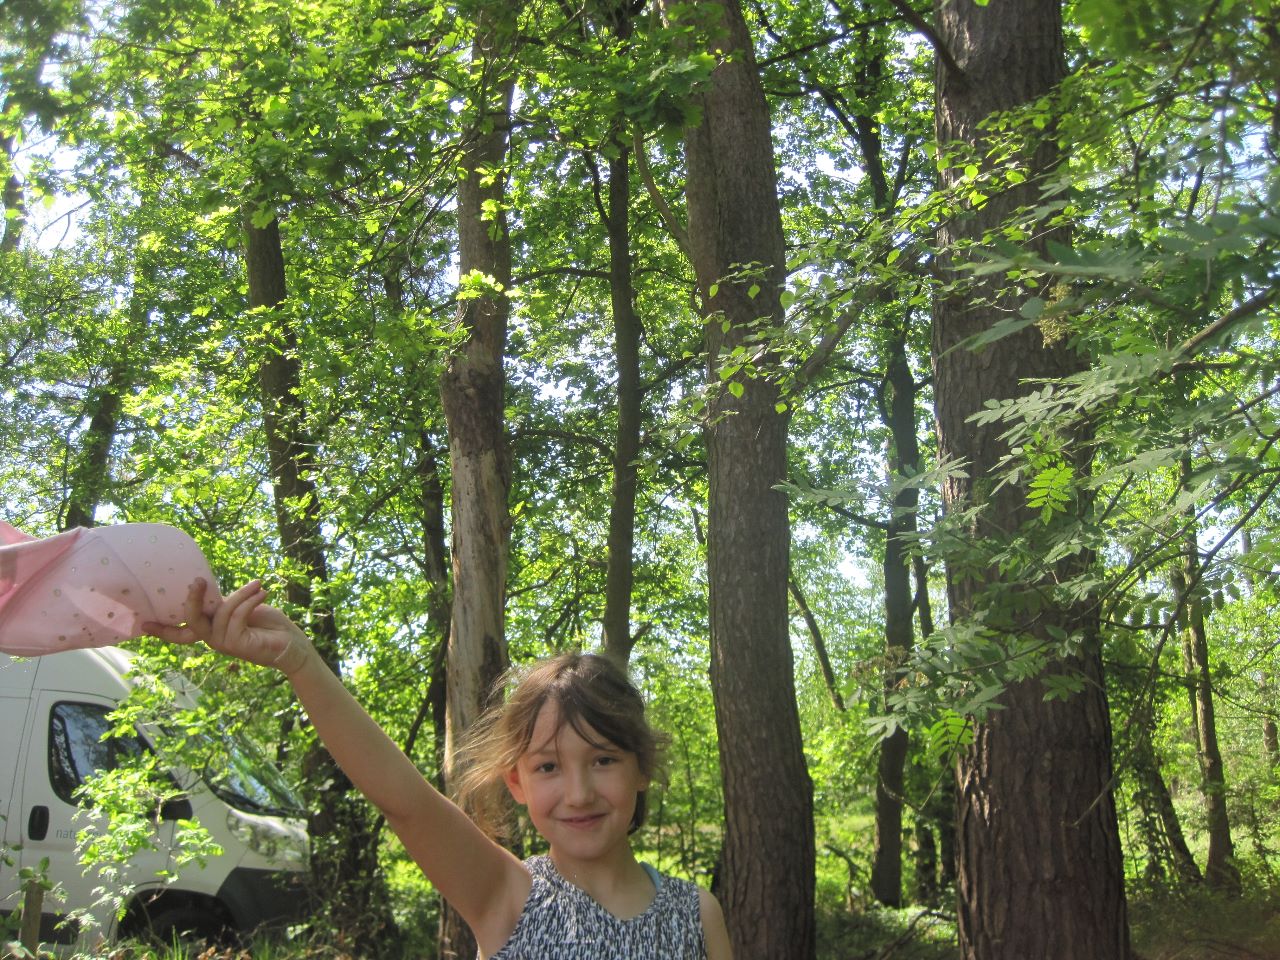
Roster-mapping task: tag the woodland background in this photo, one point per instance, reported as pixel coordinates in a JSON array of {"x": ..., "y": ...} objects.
[{"x": 892, "y": 387}]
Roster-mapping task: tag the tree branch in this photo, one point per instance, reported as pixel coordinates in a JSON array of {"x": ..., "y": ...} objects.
[
  {"x": 1246, "y": 309},
  {"x": 669, "y": 220},
  {"x": 926, "y": 30}
]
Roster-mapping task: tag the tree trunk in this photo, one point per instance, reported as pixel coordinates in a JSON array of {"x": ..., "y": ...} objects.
[
  {"x": 898, "y": 409},
  {"x": 432, "y": 552},
  {"x": 1219, "y": 870},
  {"x": 947, "y": 844},
  {"x": 897, "y": 402},
  {"x": 1270, "y": 738},
  {"x": 439, "y": 604},
  {"x": 89, "y": 476},
  {"x": 344, "y": 861},
  {"x": 767, "y": 881},
  {"x": 620, "y": 574},
  {"x": 926, "y": 863},
  {"x": 89, "y": 466},
  {"x": 1039, "y": 862},
  {"x": 12, "y": 199},
  {"x": 1161, "y": 826},
  {"x": 472, "y": 390}
]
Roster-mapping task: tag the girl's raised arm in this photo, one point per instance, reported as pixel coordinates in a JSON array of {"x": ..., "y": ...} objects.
[{"x": 484, "y": 882}]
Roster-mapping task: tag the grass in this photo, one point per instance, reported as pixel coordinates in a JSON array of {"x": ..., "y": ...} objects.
[
  {"x": 1199, "y": 925},
  {"x": 914, "y": 933}
]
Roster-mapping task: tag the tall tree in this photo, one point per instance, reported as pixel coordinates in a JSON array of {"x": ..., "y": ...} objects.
[
  {"x": 1039, "y": 872},
  {"x": 345, "y": 858},
  {"x": 898, "y": 409},
  {"x": 473, "y": 392},
  {"x": 620, "y": 571},
  {"x": 1220, "y": 871},
  {"x": 736, "y": 239}
]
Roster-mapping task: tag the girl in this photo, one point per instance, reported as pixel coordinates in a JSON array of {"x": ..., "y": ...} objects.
[{"x": 570, "y": 744}]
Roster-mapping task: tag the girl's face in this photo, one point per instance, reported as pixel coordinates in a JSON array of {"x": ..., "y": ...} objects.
[{"x": 580, "y": 797}]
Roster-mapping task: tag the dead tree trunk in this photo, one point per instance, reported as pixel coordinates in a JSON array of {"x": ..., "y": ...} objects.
[{"x": 472, "y": 390}]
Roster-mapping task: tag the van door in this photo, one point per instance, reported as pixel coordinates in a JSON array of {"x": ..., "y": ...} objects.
[
  {"x": 67, "y": 746},
  {"x": 13, "y": 718}
]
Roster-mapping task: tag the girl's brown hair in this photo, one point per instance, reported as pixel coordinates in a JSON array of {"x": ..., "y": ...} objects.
[{"x": 593, "y": 696}]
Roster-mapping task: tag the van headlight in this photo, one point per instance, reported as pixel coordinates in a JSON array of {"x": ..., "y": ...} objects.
[{"x": 272, "y": 841}]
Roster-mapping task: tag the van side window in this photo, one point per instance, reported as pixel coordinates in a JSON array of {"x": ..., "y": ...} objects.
[{"x": 77, "y": 749}]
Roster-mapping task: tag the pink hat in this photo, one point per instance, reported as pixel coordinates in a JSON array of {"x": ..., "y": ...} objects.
[{"x": 91, "y": 587}]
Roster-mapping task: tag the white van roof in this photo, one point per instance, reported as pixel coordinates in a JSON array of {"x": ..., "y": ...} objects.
[{"x": 101, "y": 671}]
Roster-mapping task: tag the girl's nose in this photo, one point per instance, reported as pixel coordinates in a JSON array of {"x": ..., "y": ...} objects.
[{"x": 579, "y": 788}]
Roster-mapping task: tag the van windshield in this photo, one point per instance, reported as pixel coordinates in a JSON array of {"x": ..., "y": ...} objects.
[{"x": 241, "y": 776}]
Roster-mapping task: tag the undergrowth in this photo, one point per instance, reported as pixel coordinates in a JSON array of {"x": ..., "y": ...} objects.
[{"x": 1194, "y": 924}]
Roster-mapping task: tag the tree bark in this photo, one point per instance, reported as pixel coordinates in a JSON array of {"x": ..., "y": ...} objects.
[
  {"x": 344, "y": 861},
  {"x": 1039, "y": 862},
  {"x": 767, "y": 880},
  {"x": 472, "y": 390}
]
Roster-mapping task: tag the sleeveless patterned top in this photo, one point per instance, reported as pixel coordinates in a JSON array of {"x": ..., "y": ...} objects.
[{"x": 561, "y": 922}]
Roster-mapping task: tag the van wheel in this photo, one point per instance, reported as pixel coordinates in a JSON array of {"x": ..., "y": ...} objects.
[{"x": 189, "y": 925}]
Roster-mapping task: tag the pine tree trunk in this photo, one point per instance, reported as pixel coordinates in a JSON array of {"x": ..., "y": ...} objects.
[
  {"x": 1039, "y": 862},
  {"x": 767, "y": 880}
]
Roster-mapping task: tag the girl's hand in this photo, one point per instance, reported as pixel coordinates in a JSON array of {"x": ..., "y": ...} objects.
[{"x": 242, "y": 626}]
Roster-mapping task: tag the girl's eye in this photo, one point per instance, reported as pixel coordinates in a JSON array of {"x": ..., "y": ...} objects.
[{"x": 606, "y": 761}]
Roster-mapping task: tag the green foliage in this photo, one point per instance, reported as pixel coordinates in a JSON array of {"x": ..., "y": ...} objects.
[{"x": 173, "y": 123}]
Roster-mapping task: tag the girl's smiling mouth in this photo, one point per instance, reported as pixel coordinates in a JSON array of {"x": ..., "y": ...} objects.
[{"x": 583, "y": 822}]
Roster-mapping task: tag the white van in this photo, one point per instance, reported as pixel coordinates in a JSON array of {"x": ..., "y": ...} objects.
[{"x": 53, "y": 715}]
